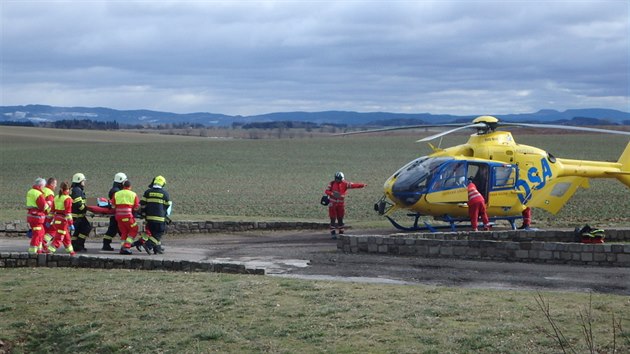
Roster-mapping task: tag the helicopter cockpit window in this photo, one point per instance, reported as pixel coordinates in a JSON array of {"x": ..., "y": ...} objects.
[
  {"x": 504, "y": 177},
  {"x": 451, "y": 175},
  {"x": 411, "y": 180}
]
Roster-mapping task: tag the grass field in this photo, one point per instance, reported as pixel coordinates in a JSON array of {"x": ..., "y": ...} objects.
[
  {"x": 96, "y": 311},
  {"x": 269, "y": 179}
]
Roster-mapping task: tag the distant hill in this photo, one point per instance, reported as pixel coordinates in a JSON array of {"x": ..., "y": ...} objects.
[
  {"x": 43, "y": 113},
  {"x": 547, "y": 115}
]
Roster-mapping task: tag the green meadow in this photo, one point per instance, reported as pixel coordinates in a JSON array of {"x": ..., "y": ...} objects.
[
  {"x": 112, "y": 311},
  {"x": 279, "y": 179}
]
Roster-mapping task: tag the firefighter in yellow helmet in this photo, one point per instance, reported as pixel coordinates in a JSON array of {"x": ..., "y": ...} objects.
[
  {"x": 155, "y": 207},
  {"x": 82, "y": 226}
]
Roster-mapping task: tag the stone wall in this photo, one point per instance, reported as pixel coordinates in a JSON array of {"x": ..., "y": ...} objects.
[
  {"x": 514, "y": 246},
  {"x": 23, "y": 259},
  {"x": 19, "y": 228}
]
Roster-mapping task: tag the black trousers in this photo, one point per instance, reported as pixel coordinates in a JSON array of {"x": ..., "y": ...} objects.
[
  {"x": 112, "y": 228},
  {"x": 81, "y": 227},
  {"x": 157, "y": 229}
]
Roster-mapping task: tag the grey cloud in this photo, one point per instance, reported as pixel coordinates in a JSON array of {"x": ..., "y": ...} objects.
[{"x": 256, "y": 57}]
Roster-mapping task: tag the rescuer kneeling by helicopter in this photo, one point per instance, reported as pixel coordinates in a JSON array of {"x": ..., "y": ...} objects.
[
  {"x": 477, "y": 207},
  {"x": 336, "y": 192}
]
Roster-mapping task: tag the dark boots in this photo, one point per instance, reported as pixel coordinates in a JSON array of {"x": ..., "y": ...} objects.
[
  {"x": 79, "y": 245},
  {"x": 107, "y": 245},
  {"x": 157, "y": 249},
  {"x": 148, "y": 247},
  {"x": 138, "y": 244}
]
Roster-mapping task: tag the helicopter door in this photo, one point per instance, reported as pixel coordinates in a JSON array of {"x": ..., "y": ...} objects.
[
  {"x": 503, "y": 180},
  {"x": 478, "y": 173},
  {"x": 448, "y": 184}
]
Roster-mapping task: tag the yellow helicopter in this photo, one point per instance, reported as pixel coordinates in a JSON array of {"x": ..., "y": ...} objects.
[{"x": 511, "y": 176}]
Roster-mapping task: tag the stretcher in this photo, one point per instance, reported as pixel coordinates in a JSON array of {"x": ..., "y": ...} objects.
[{"x": 100, "y": 207}]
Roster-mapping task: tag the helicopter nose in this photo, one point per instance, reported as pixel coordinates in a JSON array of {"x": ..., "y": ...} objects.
[
  {"x": 406, "y": 194},
  {"x": 407, "y": 198}
]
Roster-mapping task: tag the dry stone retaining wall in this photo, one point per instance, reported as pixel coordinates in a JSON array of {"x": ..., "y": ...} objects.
[
  {"x": 23, "y": 259},
  {"x": 19, "y": 228},
  {"x": 514, "y": 246}
]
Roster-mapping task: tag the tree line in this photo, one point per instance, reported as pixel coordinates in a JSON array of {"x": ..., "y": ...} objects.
[{"x": 114, "y": 125}]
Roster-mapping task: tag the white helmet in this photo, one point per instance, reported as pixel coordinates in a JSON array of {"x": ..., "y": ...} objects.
[
  {"x": 78, "y": 178},
  {"x": 339, "y": 176},
  {"x": 120, "y": 177}
]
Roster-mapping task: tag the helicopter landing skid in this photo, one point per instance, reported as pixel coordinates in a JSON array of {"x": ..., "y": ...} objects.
[{"x": 454, "y": 223}]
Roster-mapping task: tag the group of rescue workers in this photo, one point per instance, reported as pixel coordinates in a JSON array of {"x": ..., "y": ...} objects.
[{"x": 61, "y": 218}]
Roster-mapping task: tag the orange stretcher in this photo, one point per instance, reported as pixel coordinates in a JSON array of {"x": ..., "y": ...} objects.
[{"x": 100, "y": 206}]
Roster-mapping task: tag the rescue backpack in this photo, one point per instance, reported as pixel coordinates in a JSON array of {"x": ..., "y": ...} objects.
[{"x": 588, "y": 234}]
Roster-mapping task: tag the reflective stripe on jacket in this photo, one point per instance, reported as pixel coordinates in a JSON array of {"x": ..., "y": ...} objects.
[
  {"x": 35, "y": 202},
  {"x": 78, "y": 200},
  {"x": 340, "y": 187},
  {"x": 155, "y": 202},
  {"x": 63, "y": 206},
  {"x": 49, "y": 195},
  {"x": 125, "y": 201},
  {"x": 473, "y": 193}
]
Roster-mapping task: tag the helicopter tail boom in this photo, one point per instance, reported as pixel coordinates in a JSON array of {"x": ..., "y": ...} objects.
[{"x": 599, "y": 169}]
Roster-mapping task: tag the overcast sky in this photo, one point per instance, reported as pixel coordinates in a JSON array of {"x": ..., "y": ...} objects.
[{"x": 255, "y": 57}]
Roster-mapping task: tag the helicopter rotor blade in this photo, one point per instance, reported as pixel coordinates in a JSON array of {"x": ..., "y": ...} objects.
[
  {"x": 565, "y": 127},
  {"x": 406, "y": 127},
  {"x": 435, "y": 136},
  {"x": 483, "y": 126}
]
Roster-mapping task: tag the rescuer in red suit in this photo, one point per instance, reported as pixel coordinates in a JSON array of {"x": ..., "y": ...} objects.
[
  {"x": 112, "y": 228},
  {"x": 49, "y": 195},
  {"x": 527, "y": 219},
  {"x": 336, "y": 192},
  {"x": 477, "y": 207},
  {"x": 62, "y": 221},
  {"x": 126, "y": 203},
  {"x": 37, "y": 208}
]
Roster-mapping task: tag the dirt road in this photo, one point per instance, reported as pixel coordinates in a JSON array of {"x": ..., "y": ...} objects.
[{"x": 313, "y": 255}]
